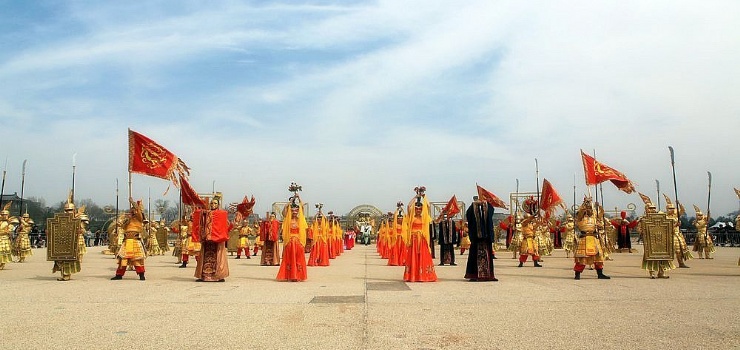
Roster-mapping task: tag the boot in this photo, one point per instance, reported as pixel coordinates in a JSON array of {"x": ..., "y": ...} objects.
[
  {"x": 521, "y": 264},
  {"x": 578, "y": 275},
  {"x": 117, "y": 277},
  {"x": 537, "y": 264},
  {"x": 238, "y": 257},
  {"x": 601, "y": 274},
  {"x": 184, "y": 264},
  {"x": 141, "y": 277}
]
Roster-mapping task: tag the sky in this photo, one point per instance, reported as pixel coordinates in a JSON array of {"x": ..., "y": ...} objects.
[{"x": 361, "y": 101}]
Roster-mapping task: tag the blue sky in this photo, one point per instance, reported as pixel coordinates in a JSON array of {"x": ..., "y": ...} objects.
[{"x": 361, "y": 101}]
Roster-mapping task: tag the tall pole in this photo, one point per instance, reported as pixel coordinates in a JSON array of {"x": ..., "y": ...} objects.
[
  {"x": 74, "y": 165},
  {"x": 149, "y": 207},
  {"x": 675, "y": 187},
  {"x": 516, "y": 203},
  {"x": 574, "y": 196},
  {"x": 657, "y": 185},
  {"x": 537, "y": 181},
  {"x": 23, "y": 184},
  {"x": 116, "y": 207},
  {"x": 709, "y": 194},
  {"x": 2, "y": 188}
]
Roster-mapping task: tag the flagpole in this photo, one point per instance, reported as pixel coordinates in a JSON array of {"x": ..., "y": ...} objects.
[
  {"x": 709, "y": 195},
  {"x": 116, "y": 209},
  {"x": 537, "y": 182},
  {"x": 516, "y": 203},
  {"x": 74, "y": 165},
  {"x": 2, "y": 188},
  {"x": 23, "y": 184},
  {"x": 574, "y": 196},
  {"x": 675, "y": 187},
  {"x": 657, "y": 185}
]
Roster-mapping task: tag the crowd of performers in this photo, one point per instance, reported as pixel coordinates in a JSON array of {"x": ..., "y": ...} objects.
[{"x": 405, "y": 237}]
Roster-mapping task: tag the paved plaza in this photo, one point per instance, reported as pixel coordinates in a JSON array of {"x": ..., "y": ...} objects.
[{"x": 360, "y": 303}]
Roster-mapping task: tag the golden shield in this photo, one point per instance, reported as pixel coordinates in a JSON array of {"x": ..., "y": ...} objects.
[
  {"x": 232, "y": 244},
  {"x": 61, "y": 235},
  {"x": 657, "y": 233}
]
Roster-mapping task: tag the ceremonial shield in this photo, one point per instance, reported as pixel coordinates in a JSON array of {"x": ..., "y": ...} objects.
[
  {"x": 162, "y": 239},
  {"x": 61, "y": 235},
  {"x": 233, "y": 243},
  {"x": 657, "y": 232}
]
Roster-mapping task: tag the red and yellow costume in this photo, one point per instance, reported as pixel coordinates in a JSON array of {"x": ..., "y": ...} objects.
[
  {"x": 243, "y": 244},
  {"x": 269, "y": 237},
  {"x": 398, "y": 239},
  {"x": 588, "y": 250},
  {"x": 529, "y": 245},
  {"x": 212, "y": 228},
  {"x": 418, "y": 261},
  {"x": 320, "y": 251},
  {"x": 293, "y": 267},
  {"x": 132, "y": 250}
]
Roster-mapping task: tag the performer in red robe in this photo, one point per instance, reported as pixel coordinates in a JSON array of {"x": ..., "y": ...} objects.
[
  {"x": 419, "y": 263},
  {"x": 623, "y": 227},
  {"x": 212, "y": 226},
  {"x": 293, "y": 267},
  {"x": 269, "y": 237}
]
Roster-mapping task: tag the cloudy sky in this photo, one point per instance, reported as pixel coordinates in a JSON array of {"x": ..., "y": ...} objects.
[{"x": 361, "y": 101}]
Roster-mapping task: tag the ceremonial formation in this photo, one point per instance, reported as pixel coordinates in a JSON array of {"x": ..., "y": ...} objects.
[{"x": 531, "y": 226}]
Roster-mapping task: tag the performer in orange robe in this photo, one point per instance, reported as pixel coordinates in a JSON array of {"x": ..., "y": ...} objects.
[
  {"x": 293, "y": 267},
  {"x": 418, "y": 261},
  {"x": 320, "y": 252},
  {"x": 397, "y": 256},
  {"x": 213, "y": 228}
]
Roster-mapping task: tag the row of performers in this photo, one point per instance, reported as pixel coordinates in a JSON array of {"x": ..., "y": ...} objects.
[{"x": 406, "y": 239}]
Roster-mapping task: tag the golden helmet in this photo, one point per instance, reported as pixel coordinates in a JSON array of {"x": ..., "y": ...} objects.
[{"x": 6, "y": 208}]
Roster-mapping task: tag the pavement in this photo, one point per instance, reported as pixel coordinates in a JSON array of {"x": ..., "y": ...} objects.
[{"x": 360, "y": 303}]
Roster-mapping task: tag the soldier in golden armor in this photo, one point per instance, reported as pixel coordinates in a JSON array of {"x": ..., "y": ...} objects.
[
  {"x": 22, "y": 244},
  {"x": 704, "y": 242},
  {"x": 570, "y": 243},
  {"x": 681, "y": 249},
  {"x": 152, "y": 244},
  {"x": 653, "y": 265},
  {"x": 529, "y": 245},
  {"x": 244, "y": 232},
  {"x": 132, "y": 250},
  {"x": 588, "y": 250},
  {"x": 67, "y": 267},
  {"x": 6, "y": 228}
]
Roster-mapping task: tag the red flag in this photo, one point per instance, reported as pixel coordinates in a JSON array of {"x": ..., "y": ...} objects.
[
  {"x": 244, "y": 208},
  {"x": 549, "y": 197},
  {"x": 491, "y": 198},
  {"x": 189, "y": 196},
  {"x": 451, "y": 208},
  {"x": 597, "y": 172},
  {"x": 149, "y": 158}
]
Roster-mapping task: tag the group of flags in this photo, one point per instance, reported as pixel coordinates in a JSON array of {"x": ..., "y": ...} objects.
[
  {"x": 595, "y": 173},
  {"x": 149, "y": 158}
]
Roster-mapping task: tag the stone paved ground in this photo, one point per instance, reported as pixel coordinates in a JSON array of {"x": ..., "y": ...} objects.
[{"x": 359, "y": 303}]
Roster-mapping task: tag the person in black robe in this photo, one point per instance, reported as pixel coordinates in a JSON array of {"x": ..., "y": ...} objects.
[
  {"x": 480, "y": 230},
  {"x": 448, "y": 237}
]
